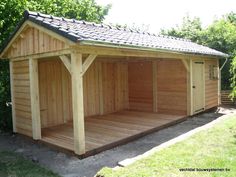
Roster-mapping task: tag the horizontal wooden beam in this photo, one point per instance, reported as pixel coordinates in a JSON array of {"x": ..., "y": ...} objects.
[
  {"x": 66, "y": 61},
  {"x": 118, "y": 51},
  {"x": 88, "y": 61},
  {"x": 43, "y": 55}
]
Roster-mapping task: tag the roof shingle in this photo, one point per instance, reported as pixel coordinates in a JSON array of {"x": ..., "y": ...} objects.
[{"x": 79, "y": 31}]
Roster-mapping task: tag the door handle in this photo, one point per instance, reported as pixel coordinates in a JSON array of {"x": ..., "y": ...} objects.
[{"x": 194, "y": 86}]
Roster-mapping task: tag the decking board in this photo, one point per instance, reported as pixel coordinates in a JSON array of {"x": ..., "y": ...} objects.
[{"x": 102, "y": 132}]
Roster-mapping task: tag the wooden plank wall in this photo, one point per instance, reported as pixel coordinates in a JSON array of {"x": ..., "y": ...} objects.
[
  {"x": 55, "y": 90},
  {"x": 171, "y": 87},
  {"x": 140, "y": 85},
  {"x": 211, "y": 87},
  {"x": 91, "y": 90},
  {"x": 50, "y": 91},
  {"x": 115, "y": 86},
  {"x": 33, "y": 41},
  {"x": 21, "y": 90}
]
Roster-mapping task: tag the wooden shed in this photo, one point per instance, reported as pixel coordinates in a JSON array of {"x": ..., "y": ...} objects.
[{"x": 87, "y": 87}]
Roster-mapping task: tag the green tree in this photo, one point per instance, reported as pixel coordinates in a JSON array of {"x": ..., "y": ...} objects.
[
  {"x": 11, "y": 13},
  {"x": 190, "y": 28},
  {"x": 220, "y": 35}
]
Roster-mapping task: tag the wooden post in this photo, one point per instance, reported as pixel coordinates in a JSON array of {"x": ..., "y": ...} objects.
[
  {"x": 154, "y": 85},
  {"x": 187, "y": 67},
  {"x": 191, "y": 86},
  {"x": 204, "y": 84},
  {"x": 219, "y": 82},
  {"x": 77, "y": 101},
  {"x": 34, "y": 95},
  {"x": 101, "y": 101},
  {"x": 12, "y": 97}
]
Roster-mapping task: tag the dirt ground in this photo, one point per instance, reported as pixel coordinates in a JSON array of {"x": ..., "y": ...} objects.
[{"x": 70, "y": 166}]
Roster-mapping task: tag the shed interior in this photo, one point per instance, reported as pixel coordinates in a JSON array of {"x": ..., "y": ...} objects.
[{"x": 123, "y": 97}]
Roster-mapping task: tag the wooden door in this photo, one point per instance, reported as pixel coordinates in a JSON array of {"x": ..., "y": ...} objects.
[{"x": 198, "y": 85}]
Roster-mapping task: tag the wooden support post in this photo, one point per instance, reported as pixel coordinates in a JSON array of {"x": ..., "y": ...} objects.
[
  {"x": 34, "y": 95},
  {"x": 204, "y": 84},
  {"x": 101, "y": 101},
  {"x": 187, "y": 67},
  {"x": 191, "y": 87},
  {"x": 88, "y": 61},
  {"x": 77, "y": 101},
  {"x": 66, "y": 61},
  {"x": 12, "y": 98},
  {"x": 154, "y": 85},
  {"x": 219, "y": 82}
]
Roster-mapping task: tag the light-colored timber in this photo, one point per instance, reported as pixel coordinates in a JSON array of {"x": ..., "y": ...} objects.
[
  {"x": 34, "y": 97},
  {"x": 103, "y": 131},
  {"x": 72, "y": 94},
  {"x": 78, "y": 103}
]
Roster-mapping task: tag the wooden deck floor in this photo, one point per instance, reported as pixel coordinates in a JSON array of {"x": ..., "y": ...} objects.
[{"x": 107, "y": 131}]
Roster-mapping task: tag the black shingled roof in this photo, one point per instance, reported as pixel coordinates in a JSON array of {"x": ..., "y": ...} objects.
[{"x": 81, "y": 31}]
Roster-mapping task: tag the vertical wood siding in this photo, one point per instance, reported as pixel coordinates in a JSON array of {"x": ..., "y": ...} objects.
[
  {"x": 33, "y": 41},
  {"x": 140, "y": 86},
  {"x": 50, "y": 88},
  {"x": 55, "y": 90},
  {"x": 171, "y": 87}
]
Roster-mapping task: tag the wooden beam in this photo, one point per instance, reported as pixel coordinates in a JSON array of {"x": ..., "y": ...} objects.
[
  {"x": 101, "y": 98},
  {"x": 185, "y": 62},
  {"x": 88, "y": 61},
  {"x": 43, "y": 55},
  {"x": 188, "y": 93},
  {"x": 204, "y": 84},
  {"x": 66, "y": 61},
  {"x": 118, "y": 51},
  {"x": 191, "y": 86},
  {"x": 154, "y": 85},
  {"x": 77, "y": 101},
  {"x": 219, "y": 82},
  {"x": 12, "y": 98},
  {"x": 34, "y": 95}
]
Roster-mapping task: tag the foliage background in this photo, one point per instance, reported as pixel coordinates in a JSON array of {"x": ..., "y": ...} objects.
[
  {"x": 11, "y": 13},
  {"x": 220, "y": 35}
]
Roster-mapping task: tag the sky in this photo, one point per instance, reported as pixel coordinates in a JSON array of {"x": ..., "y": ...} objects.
[{"x": 154, "y": 15}]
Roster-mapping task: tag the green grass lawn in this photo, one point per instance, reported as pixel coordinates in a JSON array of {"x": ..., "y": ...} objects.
[
  {"x": 212, "y": 148},
  {"x": 14, "y": 165}
]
